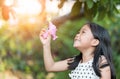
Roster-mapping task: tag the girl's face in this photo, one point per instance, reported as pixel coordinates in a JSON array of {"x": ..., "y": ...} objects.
[{"x": 84, "y": 38}]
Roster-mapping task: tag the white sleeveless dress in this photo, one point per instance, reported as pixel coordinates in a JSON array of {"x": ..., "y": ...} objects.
[{"x": 84, "y": 71}]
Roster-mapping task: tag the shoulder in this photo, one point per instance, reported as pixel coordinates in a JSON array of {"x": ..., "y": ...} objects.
[
  {"x": 103, "y": 64},
  {"x": 104, "y": 67},
  {"x": 103, "y": 61}
]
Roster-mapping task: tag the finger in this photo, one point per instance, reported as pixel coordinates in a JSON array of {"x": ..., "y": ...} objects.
[{"x": 42, "y": 32}]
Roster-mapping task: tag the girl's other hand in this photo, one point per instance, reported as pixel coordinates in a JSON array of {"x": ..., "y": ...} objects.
[{"x": 47, "y": 40}]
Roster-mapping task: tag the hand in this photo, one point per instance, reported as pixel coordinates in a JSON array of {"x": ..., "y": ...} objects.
[{"x": 47, "y": 40}]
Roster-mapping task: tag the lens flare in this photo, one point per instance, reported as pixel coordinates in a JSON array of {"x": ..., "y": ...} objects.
[{"x": 27, "y": 7}]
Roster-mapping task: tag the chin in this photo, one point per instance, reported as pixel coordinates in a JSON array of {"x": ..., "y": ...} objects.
[{"x": 75, "y": 46}]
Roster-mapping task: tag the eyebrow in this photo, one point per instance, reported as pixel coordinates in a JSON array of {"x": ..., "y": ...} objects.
[{"x": 83, "y": 29}]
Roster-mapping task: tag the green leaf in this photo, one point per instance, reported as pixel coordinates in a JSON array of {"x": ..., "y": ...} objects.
[
  {"x": 112, "y": 17},
  {"x": 89, "y": 13},
  {"x": 89, "y": 3},
  {"x": 3, "y": 52},
  {"x": 76, "y": 8},
  {"x": 12, "y": 44},
  {"x": 115, "y": 8},
  {"x": 102, "y": 12}
]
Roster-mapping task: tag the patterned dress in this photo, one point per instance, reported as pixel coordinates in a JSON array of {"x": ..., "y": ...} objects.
[{"x": 83, "y": 71}]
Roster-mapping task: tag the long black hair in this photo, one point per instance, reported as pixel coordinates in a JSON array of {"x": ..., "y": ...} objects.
[{"x": 103, "y": 48}]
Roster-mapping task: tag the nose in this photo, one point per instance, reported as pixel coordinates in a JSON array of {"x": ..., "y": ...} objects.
[{"x": 77, "y": 36}]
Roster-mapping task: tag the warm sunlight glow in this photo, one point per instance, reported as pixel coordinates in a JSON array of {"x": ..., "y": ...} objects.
[
  {"x": 12, "y": 21},
  {"x": 28, "y": 7},
  {"x": 32, "y": 20},
  {"x": 1, "y": 23},
  {"x": 52, "y": 6},
  {"x": 8, "y": 2},
  {"x": 29, "y": 11}
]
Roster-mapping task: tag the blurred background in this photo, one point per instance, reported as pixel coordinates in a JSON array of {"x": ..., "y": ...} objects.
[{"x": 21, "y": 55}]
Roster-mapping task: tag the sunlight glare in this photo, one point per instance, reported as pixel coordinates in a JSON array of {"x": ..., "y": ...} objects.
[
  {"x": 1, "y": 23},
  {"x": 12, "y": 21},
  {"x": 51, "y": 6},
  {"x": 29, "y": 7},
  {"x": 32, "y": 20},
  {"x": 8, "y": 2}
]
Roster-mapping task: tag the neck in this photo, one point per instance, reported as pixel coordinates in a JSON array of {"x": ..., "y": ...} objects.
[{"x": 87, "y": 55}]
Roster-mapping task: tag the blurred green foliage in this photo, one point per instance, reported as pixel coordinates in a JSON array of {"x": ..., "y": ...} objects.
[
  {"x": 93, "y": 8},
  {"x": 21, "y": 50}
]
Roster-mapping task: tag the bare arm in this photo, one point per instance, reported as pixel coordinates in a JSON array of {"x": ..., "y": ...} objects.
[
  {"x": 105, "y": 71},
  {"x": 50, "y": 64}
]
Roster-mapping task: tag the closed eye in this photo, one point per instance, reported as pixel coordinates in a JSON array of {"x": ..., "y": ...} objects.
[{"x": 83, "y": 31}]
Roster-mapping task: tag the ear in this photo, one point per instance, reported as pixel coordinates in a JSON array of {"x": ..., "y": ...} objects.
[{"x": 95, "y": 42}]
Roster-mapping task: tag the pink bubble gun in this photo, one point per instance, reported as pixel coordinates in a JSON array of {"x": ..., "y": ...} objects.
[{"x": 52, "y": 30}]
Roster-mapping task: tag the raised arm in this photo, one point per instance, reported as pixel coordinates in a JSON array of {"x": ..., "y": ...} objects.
[{"x": 50, "y": 64}]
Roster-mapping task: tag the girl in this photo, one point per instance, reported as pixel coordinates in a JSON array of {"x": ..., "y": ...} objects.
[{"x": 95, "y": 59}]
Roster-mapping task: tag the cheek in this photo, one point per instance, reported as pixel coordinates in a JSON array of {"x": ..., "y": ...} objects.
[{"x": 86, "y": 40}]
